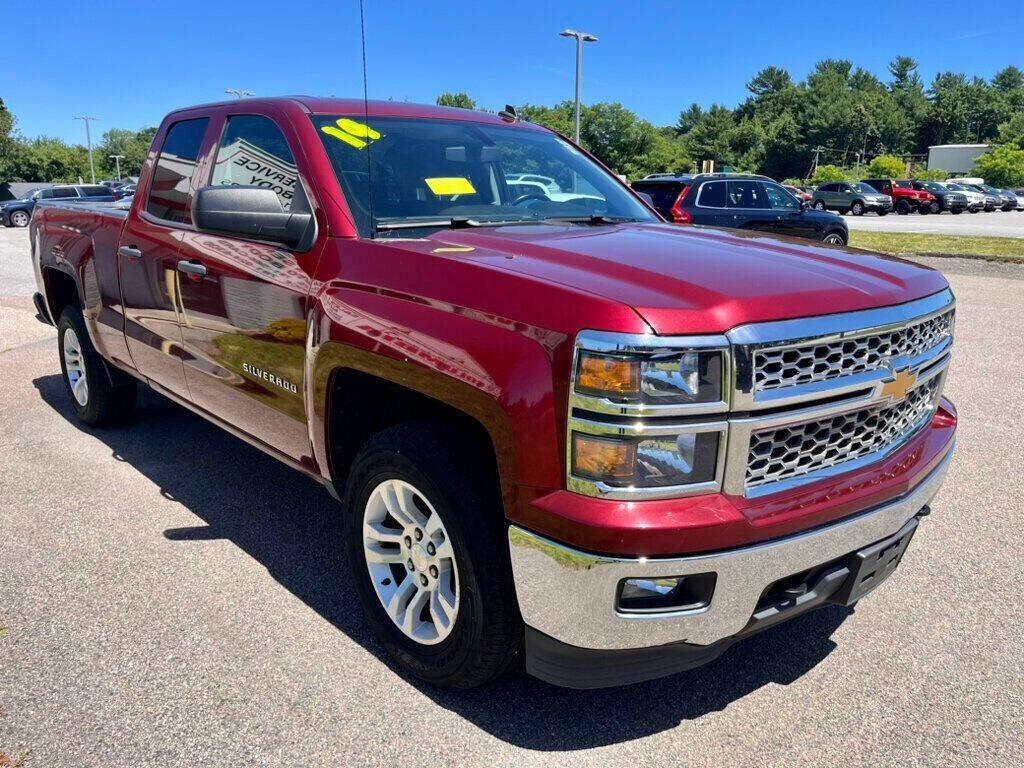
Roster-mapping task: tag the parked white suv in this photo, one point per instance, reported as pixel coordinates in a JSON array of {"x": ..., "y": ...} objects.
[{"x": 975, "y": 199}]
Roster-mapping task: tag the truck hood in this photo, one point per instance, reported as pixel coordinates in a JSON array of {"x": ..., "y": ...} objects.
[{"x": 693, "y": 279}]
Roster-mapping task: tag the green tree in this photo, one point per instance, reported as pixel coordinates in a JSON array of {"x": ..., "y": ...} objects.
[
  {"x": 887, "y": 167},
  {"x": 1002, "y": 167},
  {"x": 47, "y": 160},
  {"x": 823, "y": 174},
  {"x": 1012, "y": 131},
  {"x": 1008, "y": 79},
  {"x": 6, "y": 141},
  {"x": 459, "y": 99},
  {"x": 133, "y": 145}
]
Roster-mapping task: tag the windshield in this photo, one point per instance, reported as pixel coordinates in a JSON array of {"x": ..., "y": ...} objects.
[
  {"x": 426, "y": 172},
  {"x": 860, "y": 186},
  {"x": 934, "y": 186},
  {"x": 903, "y": 184}
]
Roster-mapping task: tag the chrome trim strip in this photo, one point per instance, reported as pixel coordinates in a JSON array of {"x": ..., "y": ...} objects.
[
  {"x": 570, "y": 595},
  {"x": 824, "y": 328}
]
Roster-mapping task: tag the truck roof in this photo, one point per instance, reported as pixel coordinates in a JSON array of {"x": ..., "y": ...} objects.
[{"x": 318, "y": 105}]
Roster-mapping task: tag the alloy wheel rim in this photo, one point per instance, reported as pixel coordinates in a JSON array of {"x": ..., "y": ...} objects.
[
  {"x": 74, "y": 366},
  {"x": 833, "y": 240},
  {"x": 411, "y": 561},
  {"x": 19, "y": 219}
]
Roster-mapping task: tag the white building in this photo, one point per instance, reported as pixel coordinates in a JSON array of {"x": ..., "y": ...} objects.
[{"x": 956, "y": 158}]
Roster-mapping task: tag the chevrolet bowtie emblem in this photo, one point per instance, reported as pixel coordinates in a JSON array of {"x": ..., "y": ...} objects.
[{"x": 899, "y": 385}]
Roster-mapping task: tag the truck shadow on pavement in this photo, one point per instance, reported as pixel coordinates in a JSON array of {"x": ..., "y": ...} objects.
[{"x": 286, "y": 522}]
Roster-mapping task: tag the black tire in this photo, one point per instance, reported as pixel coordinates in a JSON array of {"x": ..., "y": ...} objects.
[
  {"x": 19, "y": 219},
  {"x": 883, "y": 213},
  {"x": 487, "y": 636},
  {"x": 903, "y": 207},
  {"x": 934, "y": 206},
  {"x": 819, "y": 205},
  {"x": 857, "y": 208},
  {"x": 105, "y": 403},
  {"x": 835, "y": 237},
  {"x": 923, "y": 210},
  {"x": 956, "y": 211},
  {"x": 973, "y": 210}
]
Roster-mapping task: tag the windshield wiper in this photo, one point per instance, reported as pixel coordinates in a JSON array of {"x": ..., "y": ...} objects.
[
  {"x": 453, "y": 222},
  {"x": 594, "y": 218}
]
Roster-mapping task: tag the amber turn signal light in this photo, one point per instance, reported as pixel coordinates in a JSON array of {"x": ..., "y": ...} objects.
[
  {"x": 602, "y": 457},
  {"x": 608, "y": 375}
]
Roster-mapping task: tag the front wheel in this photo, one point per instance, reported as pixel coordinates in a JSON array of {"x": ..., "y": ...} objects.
[
  {"x": 97, "y": 402},
  {"x": 834, "y": 238},
  {"x": 20, "y": 219},
  {"x": 956, "y": 211},
  {"x": 883, "y": 212},
  {"x": 903, "y": 207},
  {"x": 819, "y": 205},
  {"x": 428, "y": 545},
  {"x": 857, "y": 209}
]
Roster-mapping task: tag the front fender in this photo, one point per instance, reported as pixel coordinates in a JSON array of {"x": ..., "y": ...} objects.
[{"x": 495, "y": 370}]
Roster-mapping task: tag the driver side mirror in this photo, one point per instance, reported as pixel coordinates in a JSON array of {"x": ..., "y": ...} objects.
[{"x": 251, "y": 212}]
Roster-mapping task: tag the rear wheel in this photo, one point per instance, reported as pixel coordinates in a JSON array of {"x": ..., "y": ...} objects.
[
  {"x": 20, "y": 219},
  {"x": 956, "y": 211},
  {"x": 857, "y": 209},
  {"x": 97, "y": 402},
  {"x": 834, "y": 238},
  {"x": 427, "y": 540}
]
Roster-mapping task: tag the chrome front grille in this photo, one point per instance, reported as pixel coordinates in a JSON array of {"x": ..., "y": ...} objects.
[
  {"x": 790, "y": 451},
  {"x": 790, "y": 366}
]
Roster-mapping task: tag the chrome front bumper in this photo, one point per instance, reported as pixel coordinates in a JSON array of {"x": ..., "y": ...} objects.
[{"x": 570, "y": 595}]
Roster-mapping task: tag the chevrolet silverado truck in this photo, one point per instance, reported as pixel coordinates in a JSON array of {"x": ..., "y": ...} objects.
[{"x": 561, "y": 430}]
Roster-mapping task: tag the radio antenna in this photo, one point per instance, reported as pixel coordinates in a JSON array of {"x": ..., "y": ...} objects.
[{"x": 366, "y": 119}]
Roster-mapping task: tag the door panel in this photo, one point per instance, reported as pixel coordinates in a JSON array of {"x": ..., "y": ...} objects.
[
  {"x": 747, "y": 206},
  {"x": 243, "y": 321},
  {"x": 243, "y": 326},
  {"x": 147, "y": 258},
  {"x": 146, "y": 262}
]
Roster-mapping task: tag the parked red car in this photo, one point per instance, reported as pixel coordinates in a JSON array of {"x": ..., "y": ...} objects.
[
  {"x": 905, "y": 198},
  {"x": 560, "y": 428}
]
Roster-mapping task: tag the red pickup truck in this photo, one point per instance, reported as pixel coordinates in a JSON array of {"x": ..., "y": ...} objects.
[{"x": 560, "y": 429}]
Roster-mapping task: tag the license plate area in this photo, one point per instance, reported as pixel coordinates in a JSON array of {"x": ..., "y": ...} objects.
[{"x": 872, "y": 565}]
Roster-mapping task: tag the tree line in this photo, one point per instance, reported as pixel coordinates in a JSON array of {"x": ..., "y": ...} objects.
[
  {"x": 849, "y": 114},
  {"x": 48, "y": 159}
]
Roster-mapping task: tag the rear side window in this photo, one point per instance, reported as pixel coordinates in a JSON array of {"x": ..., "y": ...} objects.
[
  {"x": 64, "y": 192},
  {"x": 664, "y": 195},
  {"x": 712, "y": 195},
  {"x": 746, "y": 193},
  {"x": 172, "y": 177},
  {"x": 829, "y": 188},
  {"x": 95, "y": 191},
  {"x": 253, "y": 152}
]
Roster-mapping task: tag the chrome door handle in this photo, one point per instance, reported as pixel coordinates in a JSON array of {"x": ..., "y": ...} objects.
[
  {"x": 191, "y": 268},
  {"x": 132, "y": 254}
]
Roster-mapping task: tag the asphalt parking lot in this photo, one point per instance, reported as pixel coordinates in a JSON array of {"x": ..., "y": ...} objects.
[
  {"x": 994, "y": 224},
  {"x": 170, "y": 596}
]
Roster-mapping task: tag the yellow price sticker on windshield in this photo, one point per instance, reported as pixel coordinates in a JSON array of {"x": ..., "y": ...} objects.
[
  {"x": 450, "y": 185},
  {"x": 354, "y": 134}
]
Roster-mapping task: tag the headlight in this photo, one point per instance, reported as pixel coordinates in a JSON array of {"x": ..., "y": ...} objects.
[
  {"x": 677, "y": 377},
  {"x": 637, "y": 426},
  {"x": 626, "y": 462}
]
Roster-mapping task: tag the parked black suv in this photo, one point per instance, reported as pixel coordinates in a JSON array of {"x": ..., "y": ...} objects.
[{"x": 741, "y": 201}]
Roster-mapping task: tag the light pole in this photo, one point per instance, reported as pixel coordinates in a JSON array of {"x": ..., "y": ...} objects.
[
  {"x": 581, "y": 38},
  {"x": 239, "y": 92},
  {"x": 117, "y": 160},
  {"x": 88, "y": 141}
]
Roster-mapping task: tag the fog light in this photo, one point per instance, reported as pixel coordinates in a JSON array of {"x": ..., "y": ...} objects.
[{"x": 666, "y": 594}]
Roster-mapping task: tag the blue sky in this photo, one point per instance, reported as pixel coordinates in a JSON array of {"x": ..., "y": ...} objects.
[{"x": 128, "y": 63}]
